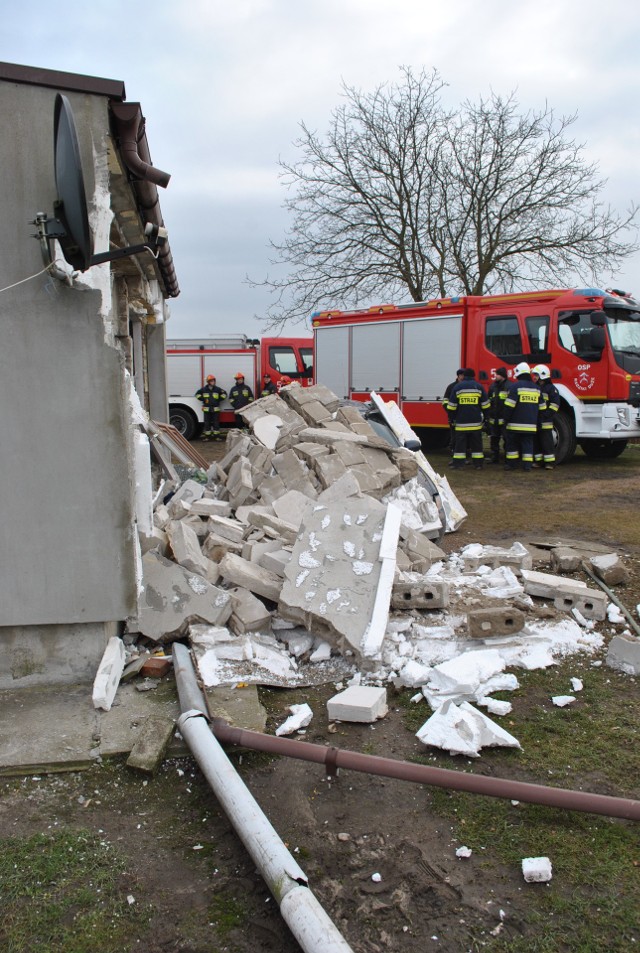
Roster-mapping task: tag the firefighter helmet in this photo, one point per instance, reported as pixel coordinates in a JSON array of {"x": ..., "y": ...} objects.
[
  {"x": 285, "y": 380},
  {"x": 238, "y": 376},
  {"x": 542, "y": 371},
  {"x": 521, "y": 368},
  {"x": 210, "y": 377}
]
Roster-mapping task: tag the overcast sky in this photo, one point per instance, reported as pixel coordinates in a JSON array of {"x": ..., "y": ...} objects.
[{"x": 224, "y": 86}]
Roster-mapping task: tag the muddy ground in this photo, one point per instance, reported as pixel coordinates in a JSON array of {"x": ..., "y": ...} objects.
[{"x": 195, "y": 886}]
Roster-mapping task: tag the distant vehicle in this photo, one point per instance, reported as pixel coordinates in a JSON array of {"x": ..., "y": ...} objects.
[
  {"x": 589, "y": 338},
  {"x": 190, "y": 360}
]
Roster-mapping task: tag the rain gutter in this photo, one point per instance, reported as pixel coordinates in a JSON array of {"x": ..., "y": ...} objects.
[{"x": 129, "y": 128}]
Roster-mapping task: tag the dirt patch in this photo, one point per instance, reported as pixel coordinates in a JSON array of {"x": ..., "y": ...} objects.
[{"x": 194, "y": 884}]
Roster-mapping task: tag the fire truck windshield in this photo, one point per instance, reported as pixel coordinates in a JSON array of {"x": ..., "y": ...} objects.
[{"x": 624, "y": 334}]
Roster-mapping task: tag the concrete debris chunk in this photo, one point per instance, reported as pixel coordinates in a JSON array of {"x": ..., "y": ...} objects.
[
  {"x": 208, "y": 507},
  {"x": 610, "y": 569},
  {"x": 188, "y": 492},
  {"x": 358, "y": 703},
  {"x": 623, "y": 654},
  {"x": 108, "y": 676},
  {"x": 248, "y": 614},
  {"x": 240, "y": 572},
  {"x": 152, "y": 742},
  {"x": 489, "y": 623},
  {"x": 172, "y": 597},
  {"x": 517, "y": 557},
  {"x": 413, "y": 591},
  {"x": 291, "y": 507},
  {"x": 186, "y": 547}
]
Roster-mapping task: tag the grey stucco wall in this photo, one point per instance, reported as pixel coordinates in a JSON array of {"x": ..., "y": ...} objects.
[{"x": 66, "y": 519}]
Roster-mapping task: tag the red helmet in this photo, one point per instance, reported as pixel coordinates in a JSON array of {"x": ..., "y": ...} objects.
[
  {"x": 238, "y": 376},
  {"x": 285, "y": 380},
  {"x": 210, "y": 377}
]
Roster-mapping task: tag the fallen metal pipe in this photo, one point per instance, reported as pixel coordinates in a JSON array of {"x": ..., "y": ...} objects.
[
  {"x": 632, "y": 622},
  {"x": 336, "y": 758},
  {"x": 300, "y": 909}
]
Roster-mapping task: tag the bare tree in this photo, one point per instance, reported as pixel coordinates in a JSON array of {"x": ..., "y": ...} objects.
[{"x": 402, "y": 197}]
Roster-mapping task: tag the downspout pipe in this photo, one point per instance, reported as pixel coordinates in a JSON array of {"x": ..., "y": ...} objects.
[{"x": 300, "y": 909}]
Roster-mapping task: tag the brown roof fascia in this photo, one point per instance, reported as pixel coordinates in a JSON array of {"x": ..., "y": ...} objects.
[{"x": 36, "y": 76}]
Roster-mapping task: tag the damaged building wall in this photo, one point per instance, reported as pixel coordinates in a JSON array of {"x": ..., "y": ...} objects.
[{"x": 66, "y": 506}]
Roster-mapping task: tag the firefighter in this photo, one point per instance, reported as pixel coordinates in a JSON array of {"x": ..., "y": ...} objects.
[
  {"x": 467, "y": 405},
  {"x": 495, "y": 428},
  {"x": 211, "y": 398},
  {"x": 545, "y": 454},
  {"x": 268, "y": 387},
  {"x": 239, "y": 396},
  {"x": 445, "y": 401},
  {"x": 521, "y": 407}
]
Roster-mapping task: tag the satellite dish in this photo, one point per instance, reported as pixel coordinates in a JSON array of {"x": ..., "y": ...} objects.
[
  {"x": 71, "y": 206},
  {"x": 70, "y": 224}
]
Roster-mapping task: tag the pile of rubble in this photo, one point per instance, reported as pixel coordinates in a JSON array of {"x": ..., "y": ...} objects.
[{"x": 307, "y": 555}]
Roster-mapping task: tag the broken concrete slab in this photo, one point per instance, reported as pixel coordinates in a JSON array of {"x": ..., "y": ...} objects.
[
  {"x": 172, "y": 598},
  {"x": 489, "y": 623},
  {"x": 151, "y": 745},
  {"x": 344, "y": 487},
  {"x": 331, "y": 582}
]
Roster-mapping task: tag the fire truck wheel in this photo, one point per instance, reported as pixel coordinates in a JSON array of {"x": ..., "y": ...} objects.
[
  {"x": 603, "y": 449},
  {"x": 184, "y": 421},
  {"x": 564, "y": 437}
]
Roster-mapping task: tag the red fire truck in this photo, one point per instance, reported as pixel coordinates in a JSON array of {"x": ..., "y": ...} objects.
[
  {"x": 590, "y": 340},
  {"x": 190, "y": 360}
]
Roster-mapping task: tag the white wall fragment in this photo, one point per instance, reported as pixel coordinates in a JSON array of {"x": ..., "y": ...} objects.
[
  {"x": 107, "y": 678},
  {"x": 536, "y": 869},
  {"x": 561, "y": 701},
  {"x": 462, "y": 729},
  {"x": 300, "y": 717}
]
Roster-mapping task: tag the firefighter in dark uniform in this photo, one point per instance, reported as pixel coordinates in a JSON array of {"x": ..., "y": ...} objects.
[
  {"x": 268, "y": 387},
  {"x": 545, "y": 452},
  {"x": 521, "y": 408},
  {"x": 497, "y": 394},
  {"x": 445, "y": 401},
  {"x": 467, "y": 405},
  {"x": 211, "y": 398},
  {"x": 239, "y": 396}
]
